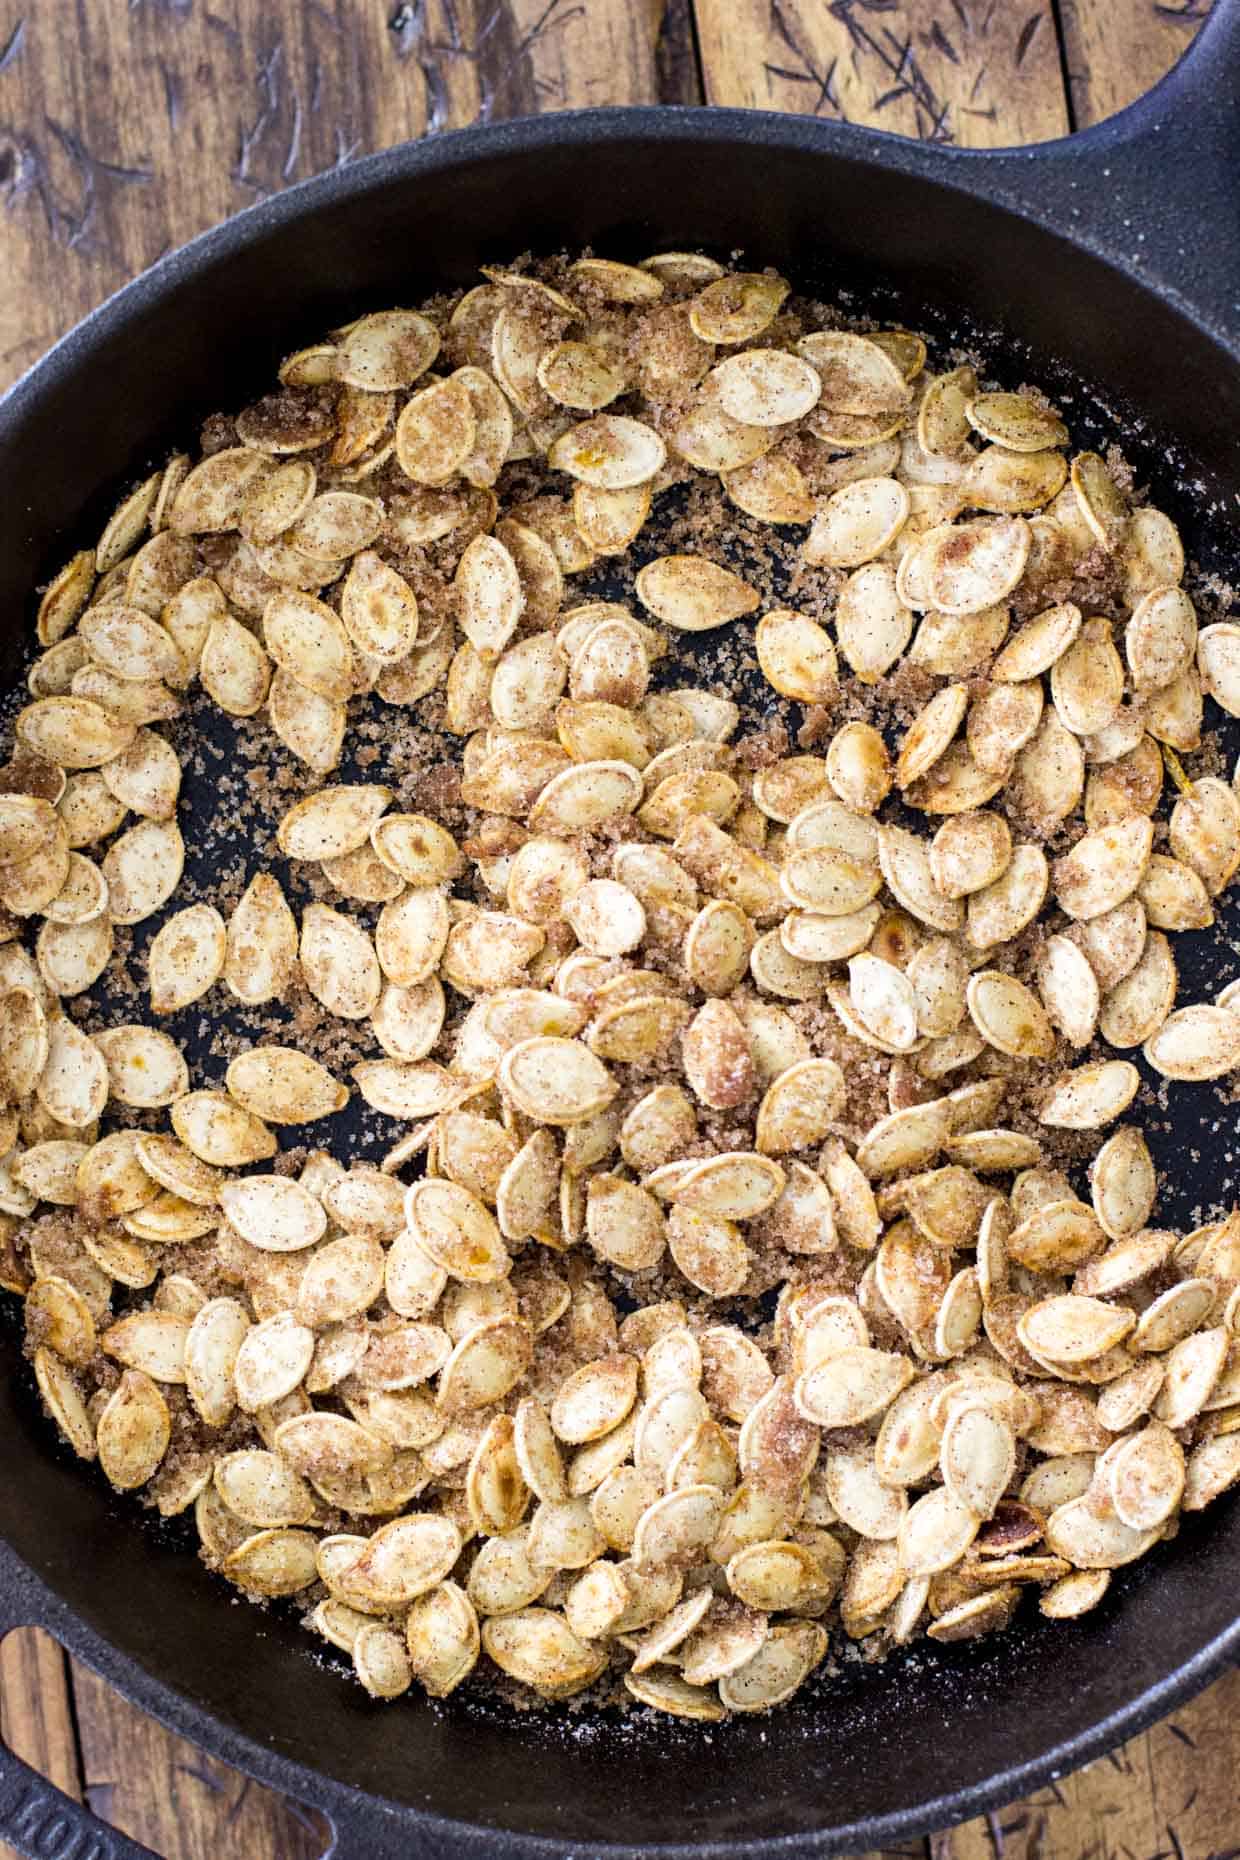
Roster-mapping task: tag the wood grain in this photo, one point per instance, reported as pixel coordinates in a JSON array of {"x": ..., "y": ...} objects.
[
  {"x": 172, "y": 1797},
  {"x": 172, "y": 114},
  {"x": 481, "y": 61},
  {"x": 1171, "y": 1793},
  {"x": 1114, "y": 52},
  {"x": 36, "y": 1710},
  {"x": 128, "y": 125},
  {"x": 981, "y": 73}
]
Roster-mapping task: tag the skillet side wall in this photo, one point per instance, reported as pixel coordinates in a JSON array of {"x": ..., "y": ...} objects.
[{"x": 204, "y": 333}]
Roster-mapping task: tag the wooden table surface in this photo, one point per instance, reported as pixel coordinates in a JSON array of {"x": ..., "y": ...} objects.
[{"x": 128, "y": 125}]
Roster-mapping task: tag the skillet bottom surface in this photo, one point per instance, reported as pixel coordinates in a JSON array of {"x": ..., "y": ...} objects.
[{"x": 895, "y": 1747}]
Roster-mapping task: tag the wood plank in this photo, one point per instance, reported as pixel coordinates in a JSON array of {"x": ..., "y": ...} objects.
[
  {"x": 169, "y": 117},
  {"x": 971, "y": 72},
  {"x": 182, "y": 1804},
  {"x": 1115, "y": 52},
  {"x": 481, "y": 61},
  {"x": 1171, "y": 1792},
  {"x": 165, "y": 120},
  {"x": 36, "y": 1713}
]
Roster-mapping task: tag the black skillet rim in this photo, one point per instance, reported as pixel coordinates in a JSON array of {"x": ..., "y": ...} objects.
[{"x": 992, "y": 175}]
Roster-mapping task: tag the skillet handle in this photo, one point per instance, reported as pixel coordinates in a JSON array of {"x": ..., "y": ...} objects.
[
  {"x": 40, "y": 1821},
  {"x": 1154, "y": 188}
]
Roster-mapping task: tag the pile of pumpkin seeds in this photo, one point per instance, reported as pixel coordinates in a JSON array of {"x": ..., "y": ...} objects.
[{"x": 510, "y": 1395}]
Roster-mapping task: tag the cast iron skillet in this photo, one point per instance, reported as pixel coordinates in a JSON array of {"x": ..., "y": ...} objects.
[{"x": 1116, "y": 258}]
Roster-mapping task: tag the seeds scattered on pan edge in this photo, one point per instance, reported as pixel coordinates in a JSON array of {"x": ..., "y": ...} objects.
[{"x": 637, "y": 1022}]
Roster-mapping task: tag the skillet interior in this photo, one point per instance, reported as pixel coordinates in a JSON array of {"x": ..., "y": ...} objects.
[{"x": 867, "y": 1754}]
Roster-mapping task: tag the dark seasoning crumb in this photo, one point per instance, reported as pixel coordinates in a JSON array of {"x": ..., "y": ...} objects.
[{"x": 238, "y": 781}]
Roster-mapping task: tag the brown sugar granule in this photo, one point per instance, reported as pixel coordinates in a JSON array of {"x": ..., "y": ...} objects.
[{"x": 218, "y": 431}]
